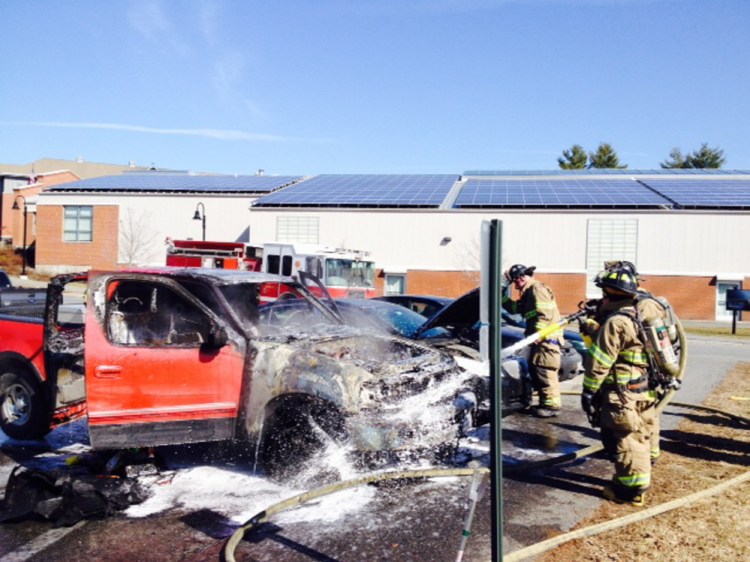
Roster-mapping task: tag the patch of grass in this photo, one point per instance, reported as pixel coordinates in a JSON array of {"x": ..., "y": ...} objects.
[
  {"x": 705, "y": 450},
  {"x": 717, "y": 331},
  {"x": 11, "y": 261}
]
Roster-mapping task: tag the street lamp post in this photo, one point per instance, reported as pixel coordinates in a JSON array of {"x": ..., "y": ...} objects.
[
  {"x": 16, "y": 208},
  {"x": 201, "y": 217}
]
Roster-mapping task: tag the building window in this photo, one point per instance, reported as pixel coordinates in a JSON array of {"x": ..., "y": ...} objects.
[
  {"x": 298, "y": 229},
  {"x": 78, "y": 223},
  {"x": 395, "y": 284},
  {"x": 608, "y": 239}
]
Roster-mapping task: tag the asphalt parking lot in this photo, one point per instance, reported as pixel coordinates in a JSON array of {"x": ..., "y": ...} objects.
[{"x": 191, "y": 515}]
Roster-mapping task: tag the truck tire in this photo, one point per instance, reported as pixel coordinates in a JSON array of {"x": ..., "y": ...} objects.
[
  {"x": 294, "y": 432},
  {"x": 23, "y": 413}
]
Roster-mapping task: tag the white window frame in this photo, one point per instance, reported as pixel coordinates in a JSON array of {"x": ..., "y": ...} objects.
[
  {"x": 395, "y": 279},
  {"x": 77, "y": 226},
  {"x": 302, "y": 229},
  {"x": 608, "y": 239}
]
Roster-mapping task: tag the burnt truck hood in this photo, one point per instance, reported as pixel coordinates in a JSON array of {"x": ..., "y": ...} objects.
[
  {"x": 398, "y": 394},
  {"x": 459, "y": 317}
]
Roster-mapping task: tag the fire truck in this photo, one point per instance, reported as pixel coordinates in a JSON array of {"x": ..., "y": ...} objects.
[{"x": 343, "y": 272}]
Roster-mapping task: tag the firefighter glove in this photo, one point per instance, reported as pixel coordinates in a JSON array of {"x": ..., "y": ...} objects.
[
  {"x": 588, "y": 326},
  {"x": 590, "y": 306},
  {"x": 587, "y": 403}
]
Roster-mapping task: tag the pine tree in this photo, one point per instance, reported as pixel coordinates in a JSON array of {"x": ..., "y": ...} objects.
[
  {"x": 605, "y": 157},
  {"x": 573, "y": 159},
  {"x": 704, "y": 157}
]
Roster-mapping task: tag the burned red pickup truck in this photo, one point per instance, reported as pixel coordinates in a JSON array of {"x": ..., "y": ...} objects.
[{"x": 176, "y": 355}]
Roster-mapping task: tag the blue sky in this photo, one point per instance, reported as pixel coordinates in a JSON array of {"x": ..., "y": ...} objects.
[{"x": 382, "y": 86}]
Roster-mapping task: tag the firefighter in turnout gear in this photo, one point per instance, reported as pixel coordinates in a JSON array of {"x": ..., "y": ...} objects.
[
  {"x": 538, "y": 307},
  {"x": 650, "y": 310},
  {"x": 616, "y": 387}
]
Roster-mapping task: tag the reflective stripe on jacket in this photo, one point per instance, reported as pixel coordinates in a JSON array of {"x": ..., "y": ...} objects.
[
  {"x": 619, "y": 356},
  {"x": 538, "y": 307}
]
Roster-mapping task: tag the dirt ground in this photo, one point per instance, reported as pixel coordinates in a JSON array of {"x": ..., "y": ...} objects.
[{"x": 706, "y": 449}]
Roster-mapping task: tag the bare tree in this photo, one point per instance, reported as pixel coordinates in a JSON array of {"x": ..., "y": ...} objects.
[{"x": 137, "y": 244}]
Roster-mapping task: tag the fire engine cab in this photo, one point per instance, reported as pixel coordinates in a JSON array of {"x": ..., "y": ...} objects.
[{"x": 343, "y": 272}]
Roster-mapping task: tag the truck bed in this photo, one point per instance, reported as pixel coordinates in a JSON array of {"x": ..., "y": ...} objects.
[{"x": 13, "y": 296}]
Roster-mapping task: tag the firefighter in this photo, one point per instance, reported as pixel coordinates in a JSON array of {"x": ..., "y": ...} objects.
[
  {"x": 616, "y": 387},
  {"x": 648, "y": 309},
  {"x": 538, "y": 307}
]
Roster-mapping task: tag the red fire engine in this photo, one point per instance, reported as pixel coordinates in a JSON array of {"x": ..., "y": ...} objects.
[{"x": 343, "y": 272}]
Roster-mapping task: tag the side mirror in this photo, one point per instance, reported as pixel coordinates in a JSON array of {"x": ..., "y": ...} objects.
[{"x": 217, "y": 337}]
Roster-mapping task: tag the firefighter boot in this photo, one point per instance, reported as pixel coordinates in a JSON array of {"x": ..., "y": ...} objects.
[
  {"x": 639, "y": 500},
  {"x": 545, "y": 411}
]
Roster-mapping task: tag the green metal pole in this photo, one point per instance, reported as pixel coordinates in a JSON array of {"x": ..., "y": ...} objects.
[{"x": 496, "y": 387}]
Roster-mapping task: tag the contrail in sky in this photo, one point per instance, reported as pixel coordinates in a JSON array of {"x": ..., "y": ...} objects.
[{"x": 221, "y": 134}]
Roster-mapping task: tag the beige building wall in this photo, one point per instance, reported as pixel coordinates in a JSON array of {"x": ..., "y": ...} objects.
[{"x": 681, "y": 254}]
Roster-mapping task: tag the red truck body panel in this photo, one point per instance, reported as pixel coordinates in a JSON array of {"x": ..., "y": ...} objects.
[
  {"x": 27, "y": 341},
  {"x": 160, "y": 388}
]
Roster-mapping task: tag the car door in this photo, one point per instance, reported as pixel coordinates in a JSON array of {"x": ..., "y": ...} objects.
[{"x": 160, "y": 368}]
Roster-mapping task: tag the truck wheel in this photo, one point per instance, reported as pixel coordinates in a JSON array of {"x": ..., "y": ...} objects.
[
  {"x": 23, "y": 414},
  {"x": 293, "y": 433}
]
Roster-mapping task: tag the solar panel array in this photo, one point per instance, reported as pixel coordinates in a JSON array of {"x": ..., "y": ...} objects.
[
  {"x": 607, "y": 172},
  {"x": 593, "y": 188},
  {"x": 703, "y": 193},
  {"x": 368, "y": 190},
  {"x": 557, "y": 192},
  {"x": 180, "y": 183}
]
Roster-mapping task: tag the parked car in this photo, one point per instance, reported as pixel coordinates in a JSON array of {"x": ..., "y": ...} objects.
[
  {"x": 425, "y": 305},
  {"x": 11, "y": 296},
  {"x": 4, "y": 280},
  {"x": 461, "y": 318}
]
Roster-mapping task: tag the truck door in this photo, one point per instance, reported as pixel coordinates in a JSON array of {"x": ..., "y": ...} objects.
[{"x": 160, "y": 366}]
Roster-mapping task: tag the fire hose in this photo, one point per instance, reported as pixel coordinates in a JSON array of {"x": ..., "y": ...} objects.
[
  {"x": 532, "y": 550},
  {"x": 541, "y": 334}
]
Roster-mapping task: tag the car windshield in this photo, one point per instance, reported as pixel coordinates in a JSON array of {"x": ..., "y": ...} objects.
[{"x": 390, "y": 317}]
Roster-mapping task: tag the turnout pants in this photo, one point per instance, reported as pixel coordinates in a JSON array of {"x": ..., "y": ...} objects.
[
  {"x": 545, "y": 364},
  {"x": 627, "y": 427}
]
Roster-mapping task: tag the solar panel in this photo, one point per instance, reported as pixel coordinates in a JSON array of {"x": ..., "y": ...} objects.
[
  {"x": 557, "y": 192},
  {"x": 367, "y": 190},
  {"x": 605, "y": 172},
  {"x": 179, "y": 183},
  {"x": 699, "y": 192}
]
